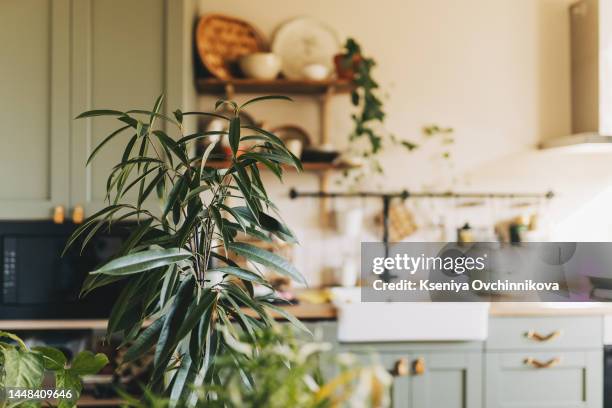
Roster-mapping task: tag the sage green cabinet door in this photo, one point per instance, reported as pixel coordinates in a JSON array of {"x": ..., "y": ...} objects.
[
  {"x": 449, "y": 380},
  {"x": 400, "y": 393},
  {"x": 567, "y": 379},
  {"x": 34, "y": 107},
  {"x": 118, "y": 62}
]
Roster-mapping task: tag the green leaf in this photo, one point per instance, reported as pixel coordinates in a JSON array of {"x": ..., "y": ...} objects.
[
  {"x": 102, "y": 143},
  {"x": 145, "y": 341},
  {"x": 168, "y": 338},
  {"x": 22, "y": 368},
  {"x": 268, "y": 259},
  {"x": 196, "y": 192},
  {"x": 184, "y": 380},
  {"x": 215, "y": 115},
  {"x": 88, "y": 363},
  {"x": 207, "y": 299},
  {"x": 178, "y": 114},
  {"x": 288, "y": 316},
  {"x": 168, "y": 142},
  {"x": 173, "y": 196},
  {"x": 100, "y": 112},
  {"x": 200, "y": 135},
  {"x": 270, "y": 136},
  {"x": 266, "y": 98},
  {"x": 143, "y": 261},
  {"x": 221, "y": 102},
  {"x": 234, "y": 134},
  {"x": 53, "y": 358},
  {"x": 241, "y": 273},
  {"x": 15, "y": 338},
  {"x": 68, "y": 380}
]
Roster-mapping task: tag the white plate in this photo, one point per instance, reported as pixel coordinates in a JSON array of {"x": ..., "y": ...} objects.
[{"x": 304, "y": 41}]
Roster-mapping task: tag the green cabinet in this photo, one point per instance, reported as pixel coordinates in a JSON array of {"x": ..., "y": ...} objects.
[
  {"x": 72, "y": 56},
  {"x": 544, "y": 362},
  {"x": 34, "y": 107},
  {"x": 117, "y": 63},
  {"x": 555, "y": 379},
  {"x": 429, "y": 375}
]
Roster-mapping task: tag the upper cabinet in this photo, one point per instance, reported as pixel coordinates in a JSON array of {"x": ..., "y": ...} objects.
[
  {"x": 69, "y": 56},
  {"x": 34, "y": 107},
  {"x": 111, "y": 69}
]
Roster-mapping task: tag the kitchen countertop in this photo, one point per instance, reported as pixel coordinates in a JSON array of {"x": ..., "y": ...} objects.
[
  {"x": 518, "y": 309},
  {"x": 326, "y": 311}
]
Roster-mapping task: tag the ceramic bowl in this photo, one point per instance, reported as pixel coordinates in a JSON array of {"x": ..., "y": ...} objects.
[
  {"x": 260, "y": 65},
  {"x": 315, "y": 72}
]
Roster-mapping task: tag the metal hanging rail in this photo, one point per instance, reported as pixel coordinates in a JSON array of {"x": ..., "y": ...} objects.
[{"x": 405, "y": 194}]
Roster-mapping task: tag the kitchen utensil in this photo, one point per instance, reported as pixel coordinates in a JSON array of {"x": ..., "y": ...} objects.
[
  {"x": 315, "y": 155},
  {"x": 296, "y": 138},
  {"x": 304, "y": 41},
  {"x": 315, "y": 72},
  {"x": 221, "y": 40},
  {"x": 260, "y": 65},
  {"x": 401, "y": 222}
]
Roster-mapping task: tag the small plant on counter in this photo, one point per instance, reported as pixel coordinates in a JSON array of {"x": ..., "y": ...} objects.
[
  {"x": 22, "y": 369},
  {"x": 169, "y": 262}
]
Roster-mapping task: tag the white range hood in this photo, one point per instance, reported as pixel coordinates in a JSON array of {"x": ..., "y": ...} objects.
[{"x": 591, "y": 78}]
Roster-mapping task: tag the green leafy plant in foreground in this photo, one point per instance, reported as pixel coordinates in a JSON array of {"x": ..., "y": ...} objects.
[
  {"x": 286, "y": 373},
  {"x": 22, "y": 367},
  {"x": 166, "y": 263}
]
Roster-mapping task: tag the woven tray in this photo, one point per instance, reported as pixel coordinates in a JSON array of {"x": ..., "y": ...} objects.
[{"x": 221, "y": 40}]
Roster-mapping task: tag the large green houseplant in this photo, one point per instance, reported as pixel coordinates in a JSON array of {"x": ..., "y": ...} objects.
[{"x": 166, "y": 263}]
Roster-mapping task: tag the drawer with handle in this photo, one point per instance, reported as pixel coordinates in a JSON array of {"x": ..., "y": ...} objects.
[
  {"x": 545, "y": 333},
  {"x": 550, "y": 379}
]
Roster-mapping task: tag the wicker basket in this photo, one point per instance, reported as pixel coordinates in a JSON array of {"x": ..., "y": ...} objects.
[{"x": 221, "y": 40}]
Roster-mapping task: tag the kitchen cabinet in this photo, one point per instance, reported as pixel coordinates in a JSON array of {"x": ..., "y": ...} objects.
[
  {"x": 34, "y": 107},
  {"x": 536, "y": 362},
  {"x": 74, "y": 56},
  {"x": 553, "y": 379},
  {"x": 429, "y": 375},
  {"x": 117, "y": 63}
]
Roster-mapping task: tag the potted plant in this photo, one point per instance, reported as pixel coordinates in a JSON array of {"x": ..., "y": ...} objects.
[
  {"x": 287, "y": 373},
  {"x": 168, "y": 261},
  {"x": 22, "y": 370}
]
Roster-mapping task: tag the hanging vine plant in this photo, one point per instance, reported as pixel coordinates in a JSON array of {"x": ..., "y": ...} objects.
[{"x": 368, "y": 121}]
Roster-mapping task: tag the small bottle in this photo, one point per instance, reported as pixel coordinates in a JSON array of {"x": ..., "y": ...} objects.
[{"x": 465, "y": 234}]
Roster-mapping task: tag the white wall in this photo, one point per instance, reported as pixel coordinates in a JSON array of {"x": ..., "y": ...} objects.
[{"x": 495, "y": 70}]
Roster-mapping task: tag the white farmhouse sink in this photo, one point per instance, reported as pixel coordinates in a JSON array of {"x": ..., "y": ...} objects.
[{"x": 412, "y": 321}]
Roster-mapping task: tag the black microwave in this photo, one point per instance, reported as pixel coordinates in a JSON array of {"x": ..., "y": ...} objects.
[{"x": 37, "y": 282}]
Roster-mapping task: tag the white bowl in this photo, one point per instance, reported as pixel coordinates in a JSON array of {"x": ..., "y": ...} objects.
[
  {"x": 261, "y": 65},
  {"x": 315, "y": 72}
]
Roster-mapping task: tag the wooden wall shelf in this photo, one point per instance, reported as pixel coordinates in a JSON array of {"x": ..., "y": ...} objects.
[
  {"x": 322, "y": 91},
  {"x": 308, "y": 166},
  {"x": 214, "y": 86}
]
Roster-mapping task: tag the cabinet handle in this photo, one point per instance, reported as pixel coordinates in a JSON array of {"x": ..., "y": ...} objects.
[
  {"x": 418, "y": 366},
  {"x": 539, "y": 364},
  {"x": 58, "y": 215},
  {"x": 533, "y": 335},
  {"x": 78, "y": 214},
  {"x": 400, "y": 368}
]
